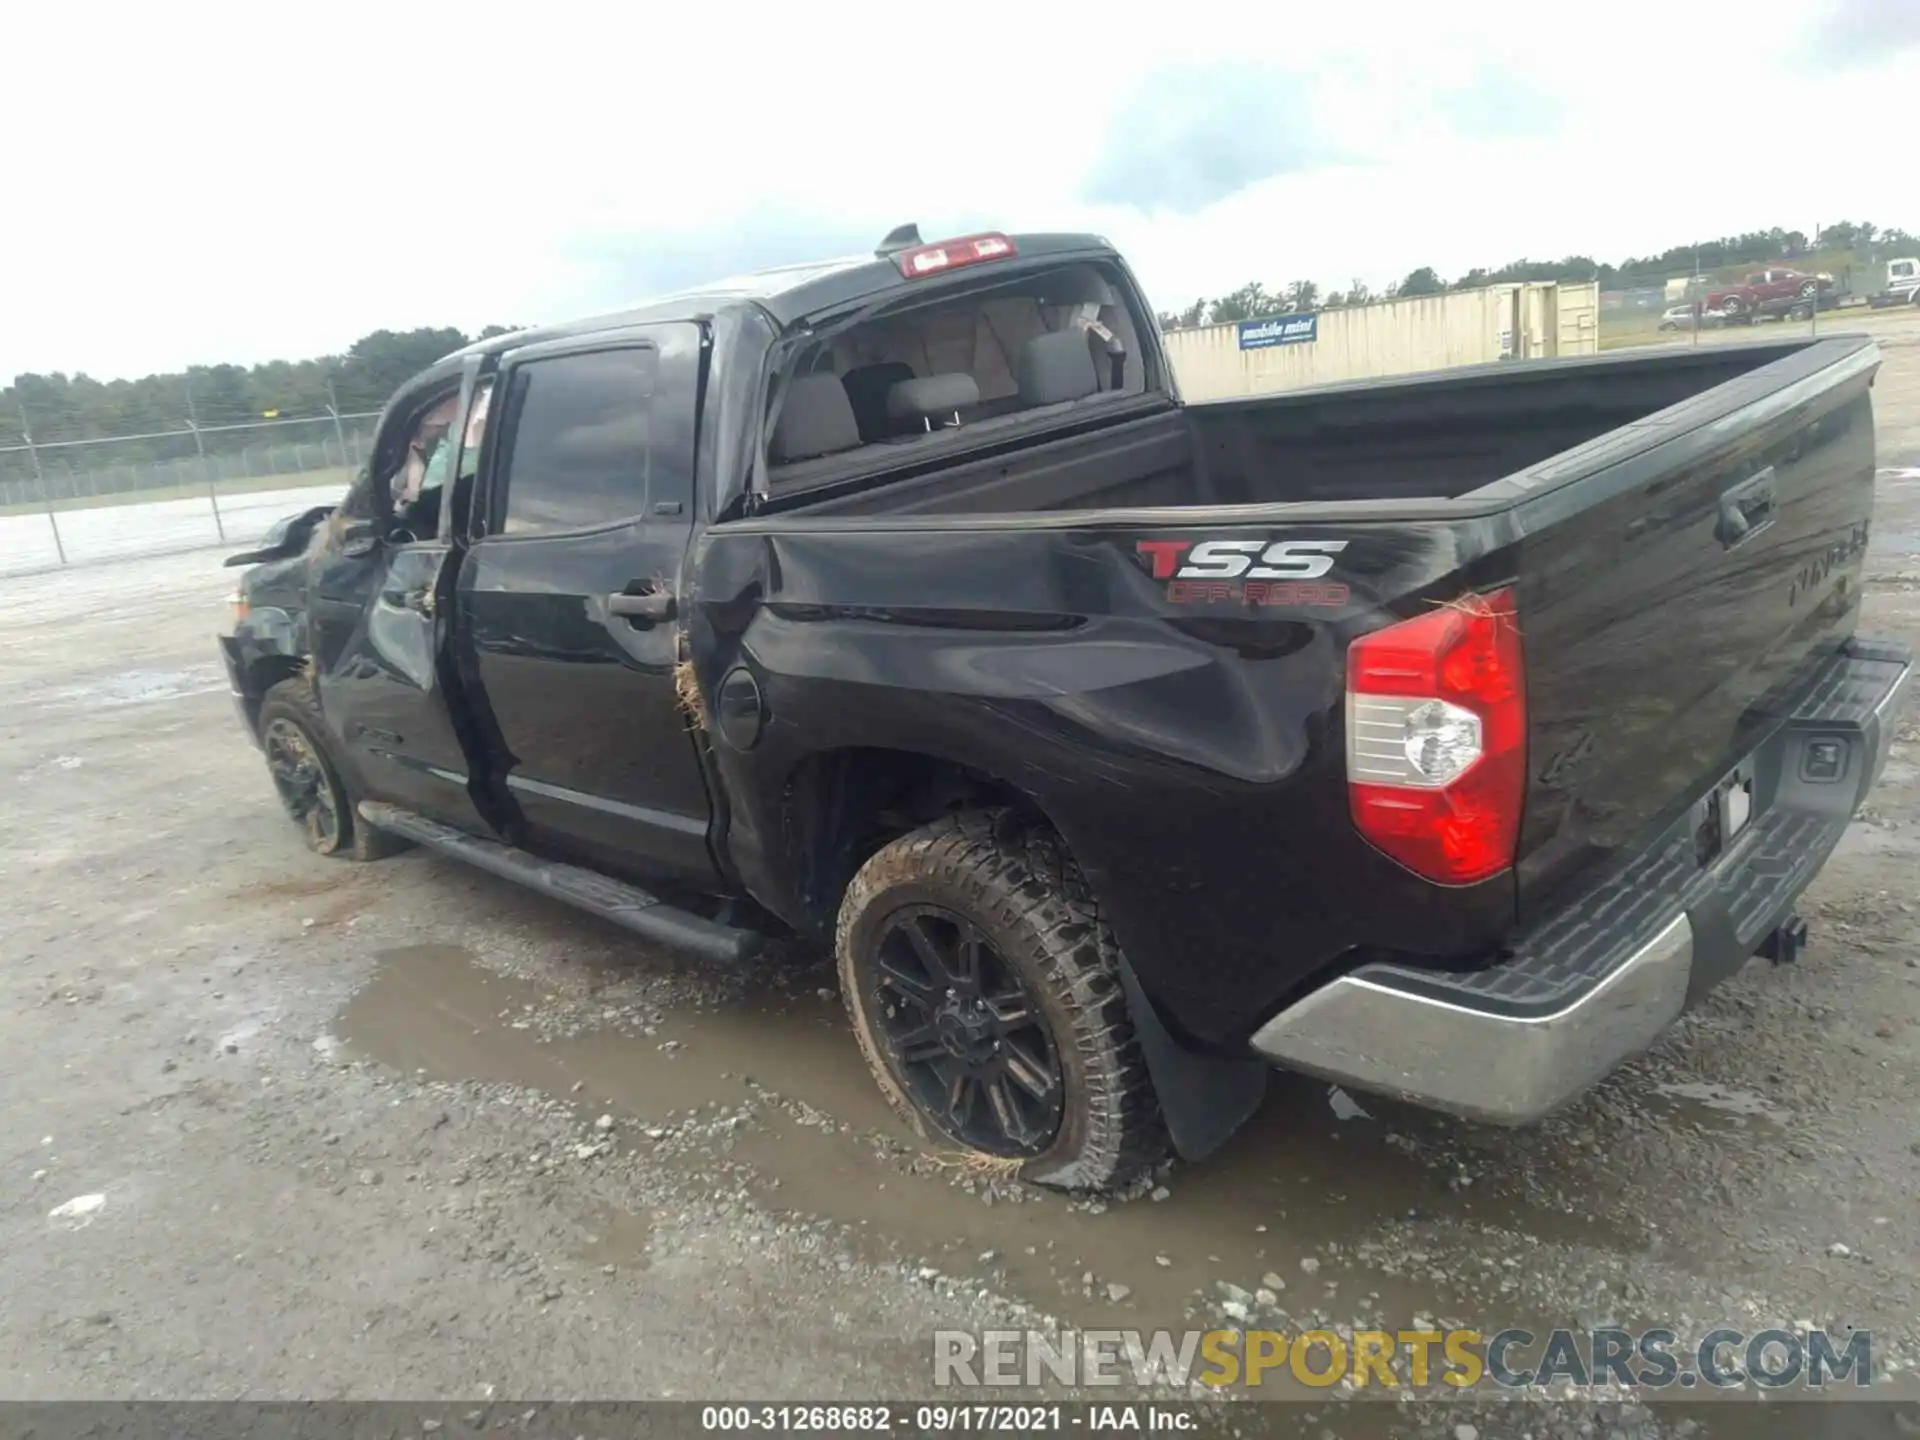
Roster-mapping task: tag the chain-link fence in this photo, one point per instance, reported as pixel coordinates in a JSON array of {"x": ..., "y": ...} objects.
[{"x": 69, "y": 501}]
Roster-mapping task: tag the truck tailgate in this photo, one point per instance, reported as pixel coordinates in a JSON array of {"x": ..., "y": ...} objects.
[{"x": 1677, "y": 600}]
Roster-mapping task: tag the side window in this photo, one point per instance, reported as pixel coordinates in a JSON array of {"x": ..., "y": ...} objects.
[
  {"x": 576, "y": 441},
  {"x": 476, "y": 429}
]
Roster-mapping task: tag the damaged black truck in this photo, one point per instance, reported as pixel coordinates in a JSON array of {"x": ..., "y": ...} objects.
[{"x": 1443, "y": 736}]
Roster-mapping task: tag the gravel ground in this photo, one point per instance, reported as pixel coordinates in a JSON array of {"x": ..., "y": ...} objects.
[{"x": 402, "y": 1131}]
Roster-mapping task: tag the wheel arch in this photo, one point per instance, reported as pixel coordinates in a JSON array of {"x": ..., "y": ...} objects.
[
  {"x": 262, "y": 673},
  {"x": 839, "y": 806}
]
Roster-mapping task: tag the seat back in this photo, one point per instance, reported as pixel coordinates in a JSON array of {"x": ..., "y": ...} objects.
[
  {"x": 1057, "y": 367},
  {"x": 867, "y": 388},
  {"x": 815, "y": 419}
]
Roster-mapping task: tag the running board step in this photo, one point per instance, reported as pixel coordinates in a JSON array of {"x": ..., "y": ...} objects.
[{"x": 627, "y": 906}]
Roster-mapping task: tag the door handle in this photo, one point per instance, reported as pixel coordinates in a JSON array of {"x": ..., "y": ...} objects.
[
  {"x": 1745, "y": 509},
  {"x": 652, "y": 605}
]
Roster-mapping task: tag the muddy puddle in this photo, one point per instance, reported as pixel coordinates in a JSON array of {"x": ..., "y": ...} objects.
[
  {"x": 1310, "y": 1176},
  {"x": 1701, "y": 1100}
]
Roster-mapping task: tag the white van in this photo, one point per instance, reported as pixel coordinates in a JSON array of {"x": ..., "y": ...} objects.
[{"x": 1904, "y": 275}]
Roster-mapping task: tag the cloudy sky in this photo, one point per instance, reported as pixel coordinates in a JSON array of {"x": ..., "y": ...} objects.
[{"x": 211, "y": 181}]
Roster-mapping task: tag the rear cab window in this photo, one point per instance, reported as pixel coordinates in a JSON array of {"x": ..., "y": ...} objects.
[{"x": 932, "y": 377}]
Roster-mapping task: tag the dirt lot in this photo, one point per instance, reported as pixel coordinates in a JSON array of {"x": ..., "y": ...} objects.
[{"x": 401, "y": 1130}]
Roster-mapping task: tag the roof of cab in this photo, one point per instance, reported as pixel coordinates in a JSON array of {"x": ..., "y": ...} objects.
[{"x": 787, "y": 293}]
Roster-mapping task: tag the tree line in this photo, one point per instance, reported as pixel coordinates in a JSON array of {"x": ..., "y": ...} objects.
[
  {"x": 58, "y": 407},
  {"x": 1755, "y": 247}
]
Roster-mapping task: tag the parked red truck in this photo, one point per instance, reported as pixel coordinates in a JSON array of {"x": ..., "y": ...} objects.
[{"x": 1767, "y": 292}]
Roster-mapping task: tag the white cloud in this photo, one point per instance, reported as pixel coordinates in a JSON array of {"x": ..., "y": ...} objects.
[{"x": 239, "y": 182}]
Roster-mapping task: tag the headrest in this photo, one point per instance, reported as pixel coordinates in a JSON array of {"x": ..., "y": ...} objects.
[
  {"x": 816, "y": 419},
  {"x": 934, "y": 395},
  {"x": 1056, "y": 367}
]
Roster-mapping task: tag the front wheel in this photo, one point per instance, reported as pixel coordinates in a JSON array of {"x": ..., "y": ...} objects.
[
  {"x": 984, "y": 988},
  {"x": 292, "y": 736}
]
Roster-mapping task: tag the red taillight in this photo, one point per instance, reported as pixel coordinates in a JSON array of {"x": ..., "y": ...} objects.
[
  {"x": 1437, "y": 738},
  {"x": 952, "y": 254}
]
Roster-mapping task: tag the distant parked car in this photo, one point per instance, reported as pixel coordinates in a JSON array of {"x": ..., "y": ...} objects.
[{"x": 1680, "y": 317}]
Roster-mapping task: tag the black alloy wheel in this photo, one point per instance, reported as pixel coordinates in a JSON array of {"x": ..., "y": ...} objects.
[
  {"x": 986, "y": 993},
  {"x": 306, "y": 787},
  {"x": 313, "y": 788},
  {"x": 963, "y": 1035}
]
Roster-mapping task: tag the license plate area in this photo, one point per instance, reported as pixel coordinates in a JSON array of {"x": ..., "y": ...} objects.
[{"x": 1723, "y": 816}]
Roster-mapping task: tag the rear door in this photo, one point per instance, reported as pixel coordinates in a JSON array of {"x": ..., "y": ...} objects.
[{"x": 570, "y": 625}]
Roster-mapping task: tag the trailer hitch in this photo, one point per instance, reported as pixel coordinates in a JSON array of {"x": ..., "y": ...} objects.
[{"x": 1788, "y": 939}]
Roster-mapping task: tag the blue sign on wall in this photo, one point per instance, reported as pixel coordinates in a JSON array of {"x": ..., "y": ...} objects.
[{"x": 1279, "y": 330}]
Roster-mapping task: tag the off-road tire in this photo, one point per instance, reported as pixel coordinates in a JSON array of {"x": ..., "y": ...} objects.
[
  {"x": 293, "y": 700},
  {"x": 1016, "y": 882}
]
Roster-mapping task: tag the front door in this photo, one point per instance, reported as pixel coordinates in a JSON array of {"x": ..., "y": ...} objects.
[
  {"x": 378, "y": 626},
  {"x": 568, "y": 613}
]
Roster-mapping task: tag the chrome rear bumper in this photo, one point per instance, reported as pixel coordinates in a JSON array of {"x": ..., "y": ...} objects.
[
  {"x": 1598, "y": 982},
  {"x": 1486, "y": 1066}
]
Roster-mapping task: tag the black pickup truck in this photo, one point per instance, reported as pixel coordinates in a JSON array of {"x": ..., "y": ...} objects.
[{"x": 1443, "y": 736}]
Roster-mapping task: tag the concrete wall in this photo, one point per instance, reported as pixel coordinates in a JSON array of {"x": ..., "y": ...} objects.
[{"x": 1395, "y": 337}]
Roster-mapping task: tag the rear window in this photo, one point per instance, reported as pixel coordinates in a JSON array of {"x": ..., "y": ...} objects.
[
  {"x": 970, "y": 364},
  {"x": 576, "y": 435}
]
